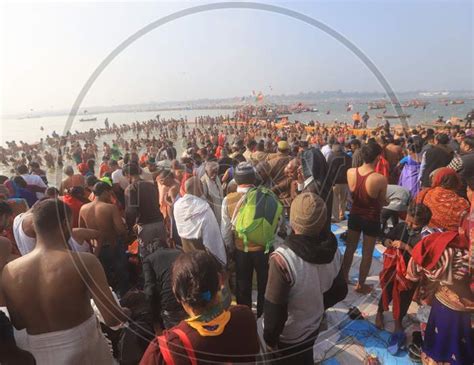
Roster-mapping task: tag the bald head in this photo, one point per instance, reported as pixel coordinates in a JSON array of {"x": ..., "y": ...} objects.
[
  {"x": 68, "y": 170},
  {"x": 193, "y": 186}
]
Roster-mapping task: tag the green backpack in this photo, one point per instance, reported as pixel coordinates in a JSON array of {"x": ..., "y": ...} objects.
[{"x": 256, "y": 217}]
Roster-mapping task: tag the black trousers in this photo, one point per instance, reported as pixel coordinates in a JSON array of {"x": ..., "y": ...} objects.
[
  {"x": 245, "y": 264},
  {"x": 292, "y": 354}
]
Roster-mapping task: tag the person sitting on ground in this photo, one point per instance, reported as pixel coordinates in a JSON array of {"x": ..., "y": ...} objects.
[
  {"x": 214, "y": 332},
  {"x": 59, "y": 284}
]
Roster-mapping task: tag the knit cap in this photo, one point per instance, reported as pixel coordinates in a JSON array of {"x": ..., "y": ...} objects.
[{"x": 308, "y": 214}]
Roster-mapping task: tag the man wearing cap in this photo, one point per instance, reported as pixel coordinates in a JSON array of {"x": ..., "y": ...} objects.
[
  {"x": 278, "y": 161},
  {"x": 304, "y": 279},
  {"x": 255, "y": 258}
]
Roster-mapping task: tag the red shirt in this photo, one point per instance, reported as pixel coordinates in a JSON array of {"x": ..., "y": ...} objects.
[{"x": 75, "y": 205}]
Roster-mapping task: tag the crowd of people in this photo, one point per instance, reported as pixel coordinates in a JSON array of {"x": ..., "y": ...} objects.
[{"x": 183, "y": 237}]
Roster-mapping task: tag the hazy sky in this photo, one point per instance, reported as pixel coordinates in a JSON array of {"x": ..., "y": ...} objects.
[{"x": 48, "y": 50}]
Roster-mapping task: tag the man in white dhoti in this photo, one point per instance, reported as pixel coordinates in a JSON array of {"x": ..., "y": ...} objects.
[{"x": 48, "y": 293}]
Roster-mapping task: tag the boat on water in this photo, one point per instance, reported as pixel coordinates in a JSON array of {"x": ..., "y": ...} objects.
[
  {"x": 88, "y": 119},
  {"x": 385, "y": 116},
  {"x": 456, "y": 102},
  {"x": 377, "y": 105}
]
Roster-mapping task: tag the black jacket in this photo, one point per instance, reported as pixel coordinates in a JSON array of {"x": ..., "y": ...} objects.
[
  {"x": 435, "y": 157},
  {"x": 339, "y": 163},
  {"x": 157, "y": 272}
]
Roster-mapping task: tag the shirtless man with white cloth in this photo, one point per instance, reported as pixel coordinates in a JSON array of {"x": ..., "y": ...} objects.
[{"x": 48, "y": 293}]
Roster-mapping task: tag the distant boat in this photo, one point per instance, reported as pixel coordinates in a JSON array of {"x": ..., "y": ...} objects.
[
  {"x": 457, "y": 102},
  {"x": 88, "y": 119},
  {"x": 384, "y": 116},
  {"x": 377, "y": 105}
]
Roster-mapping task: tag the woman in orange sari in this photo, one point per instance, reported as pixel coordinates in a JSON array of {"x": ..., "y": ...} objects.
[{"x": 447, "y": 207}]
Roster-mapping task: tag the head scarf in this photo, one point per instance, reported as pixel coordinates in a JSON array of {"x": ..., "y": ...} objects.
[
  {"x": 314, "y": 165},
  {"x": 441, "y": 173}
]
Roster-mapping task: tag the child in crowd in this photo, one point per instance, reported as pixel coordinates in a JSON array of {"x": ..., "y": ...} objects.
[{"x": 400, "y": 241}]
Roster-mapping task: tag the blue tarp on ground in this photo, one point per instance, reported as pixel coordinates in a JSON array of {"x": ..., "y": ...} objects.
[
  {"x": 342, "y": 244},
  {"x": 371, "y": 338},
  {"x": 374, "y": 341}
]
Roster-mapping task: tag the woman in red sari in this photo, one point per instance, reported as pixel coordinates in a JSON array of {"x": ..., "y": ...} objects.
[{"x": 447, "y": 207}]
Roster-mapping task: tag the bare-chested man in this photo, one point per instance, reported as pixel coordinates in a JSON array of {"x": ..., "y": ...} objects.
[
  {"x": 48, "y": 293},
  {"x": 105, "y": 217},
  {"x": 71, "y": 180},
  {"x": 369, "y": 190}
]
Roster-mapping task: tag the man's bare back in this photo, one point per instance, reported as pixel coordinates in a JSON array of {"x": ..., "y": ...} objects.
[
  {"x": 103, "y": 217},
  {"x": 50, "y": 290}
]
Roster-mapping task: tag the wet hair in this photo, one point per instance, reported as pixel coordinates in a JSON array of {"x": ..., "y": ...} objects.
[
  {"x": 77, "y": 192},
  {"x": 22, "y": 169},
  {"x": 355, "y": 142},
  {"x": 251, "y": 144},
  {"x": 3, "y": 178},
  {"x": 442, "y": 138},
  {"x": 91, "y": 180},
  {"x": 420, "y": 213},
  {"x": 68, "y": 170},
  {"x": 415, "y": 147},
  {"x": 51, "y": 192},
  {"x": 5, "y": 209},
  {"x": 101, "y": 188},
  {"x": 195, "y": 278},
  {"x": 132, "y": 169},
  {"x": 165, "y": 174},
  {"x": 49, "y": 214},
  {"x": 370, "y": 152},
  {"x": 18, "y": 180}
]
